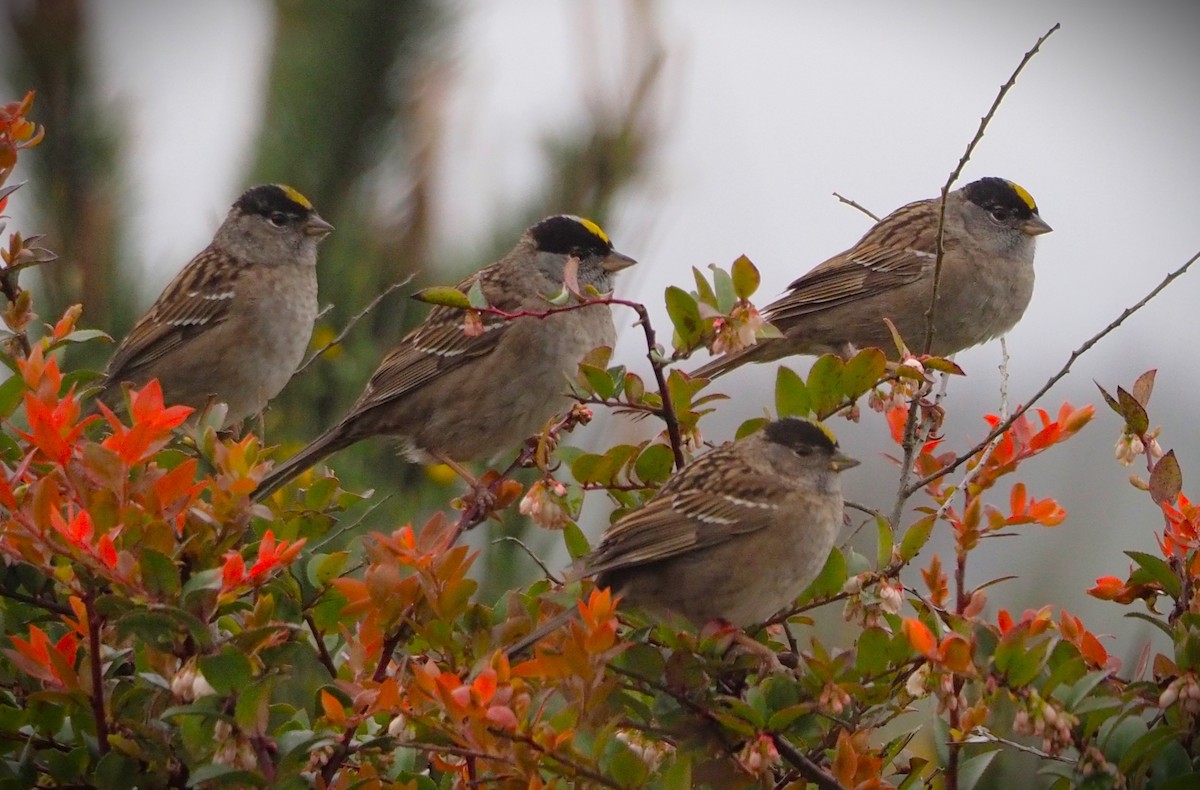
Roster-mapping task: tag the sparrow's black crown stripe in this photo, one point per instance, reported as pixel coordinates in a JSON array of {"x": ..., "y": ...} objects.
[
  {"x": 271, "y": 199},
  {"x": 566, "y": 235},
  {"x": 992, "y": 193},
  {"x": 794, "y": 432}
]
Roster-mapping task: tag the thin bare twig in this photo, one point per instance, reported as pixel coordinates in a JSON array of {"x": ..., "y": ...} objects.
[
  {"x": 1066, "y": 368},
  {"x": 957, "y": 171},
  {"x": 360, "y": 315},
  {"x": 910, "y": 426},
  {"x": 657, "y": 362},
  {"x": 537, "y": 560},
  {"x": 857, "y": 205}
]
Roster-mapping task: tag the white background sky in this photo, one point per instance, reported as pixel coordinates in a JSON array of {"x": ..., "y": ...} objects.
[{"x": 768, "y": 108}]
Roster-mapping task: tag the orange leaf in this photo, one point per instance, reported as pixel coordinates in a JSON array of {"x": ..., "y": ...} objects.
[
  {"x": 954, "y": 653},
  {"x": 333, "y": 709},
  {"x": 920, "y": 637}
]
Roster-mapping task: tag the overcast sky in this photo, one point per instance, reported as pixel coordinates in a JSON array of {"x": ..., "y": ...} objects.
[{"x": 768, "y": 108}]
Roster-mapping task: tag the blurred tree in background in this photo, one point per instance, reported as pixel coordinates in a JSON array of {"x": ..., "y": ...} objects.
[
  {"x": 354, "y": 99},
  {"x": 77, "y": 178}
]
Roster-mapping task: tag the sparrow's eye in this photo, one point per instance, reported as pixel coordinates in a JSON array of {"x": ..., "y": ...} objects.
[
  {"x": 803, "y": 450},
  {"x": 1000, "y": 214},
  {"x": 278, "y": 219}
]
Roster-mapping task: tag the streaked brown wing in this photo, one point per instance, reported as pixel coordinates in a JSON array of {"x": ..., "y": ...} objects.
[
  {"x": 196, "y": 300},
  {"x": 678, "y": 521},
  {"x": 439, "y": 344},
  {"x": 893, "y": 253}
]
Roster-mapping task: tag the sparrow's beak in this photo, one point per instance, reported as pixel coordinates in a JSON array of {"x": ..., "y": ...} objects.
[
  {"x": 840, "y": 462},
  {"x": 615, "y": 262},
  {"x": 1035, "y": 226},
  {"x": 315, "y": 226}
]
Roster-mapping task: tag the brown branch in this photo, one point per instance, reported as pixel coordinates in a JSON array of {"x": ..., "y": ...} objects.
[
  {"x": 344, "y": 748},
  {"x": 909, "y": 444},
  {"x": 360, "y": 315},
  {"x": 50, "y": 606},
  {"x": 96, "y": 663},
  {"x": 581, "y": 770},
  {"x": 322, "y": 651},
  {"x": 807, "y": 768},
  {"x": 957, "y": 171},
  {"x": 1037, "y": 396}
]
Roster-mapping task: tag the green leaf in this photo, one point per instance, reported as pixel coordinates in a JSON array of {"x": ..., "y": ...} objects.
[
  {"x": 227, "y": 671},
  {"x": 831, "y": 579},
  {"x": 685, "y": 316},
  {"x": 677, "y": 775},
  {"x": 1109, "y": 399},
  {"x": 943, "y": 365},
  {"x": 443, "y": 295},
  {"x": 324, "y": 568},
  {"x": 745, "y": 277},
  {"x": 752, "y": 425},
  {"x": 704, "y": 291},
  {"x": 862, "y": 372},
  {"x": 11, "y": 394},
  {"x": 219, "y": 775},
  {"x": 1024, "y": 662},
  {"x": 597, "y": 381},
  {"x": 1157, "y": 570},
  {"x": 655, "y": 463},
  {"x": 575, "y": 540},
  {"x": 886, "y": 542},
  {"x": 723, "y": 285},
  {"x": 1166, "y": 480},
  {"x": 159, "y": 574},
  {"x": 825, "y": 385},
  {"x": 157, "y": 629},
  {"x": 84, "y": 335},
  {"x": 791, "y": 394},
  {"x": 1071, "y": 696},
  {"x": 1136, "y": 420},
  {"x": 634, "y": 388},
  {"x": 916, "y": 537},
  {"x": 871, "y": 656},
  {"x": 253, "y": 707},
  {"x": 972, "y": 769},
  {"x": 475, "y": 296}
]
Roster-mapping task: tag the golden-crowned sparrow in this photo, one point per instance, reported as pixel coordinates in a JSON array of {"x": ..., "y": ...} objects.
[
  {"x": 985, "y": 286},
  {"x": 457, "y": 391},
  {"x": 735, "y": 536},
  {"x": 234, "y": 324}
]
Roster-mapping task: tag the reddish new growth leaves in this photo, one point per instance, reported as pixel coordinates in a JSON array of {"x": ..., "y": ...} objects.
[
  {"x": 151, "y": 424},
  {"x": 272, "y": 557},
  {"x": 16, "y": 133}
]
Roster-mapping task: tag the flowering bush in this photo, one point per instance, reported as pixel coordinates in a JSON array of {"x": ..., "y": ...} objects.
[{"x": 163, "y": 630}]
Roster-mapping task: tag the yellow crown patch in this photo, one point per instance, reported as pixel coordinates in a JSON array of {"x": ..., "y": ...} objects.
[
  {"x": 299, "y": 199},
  {"x": 824, "y": 430},
  {"x": 1024, "y": 195},
  {"x": 594, "y": 229}
]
